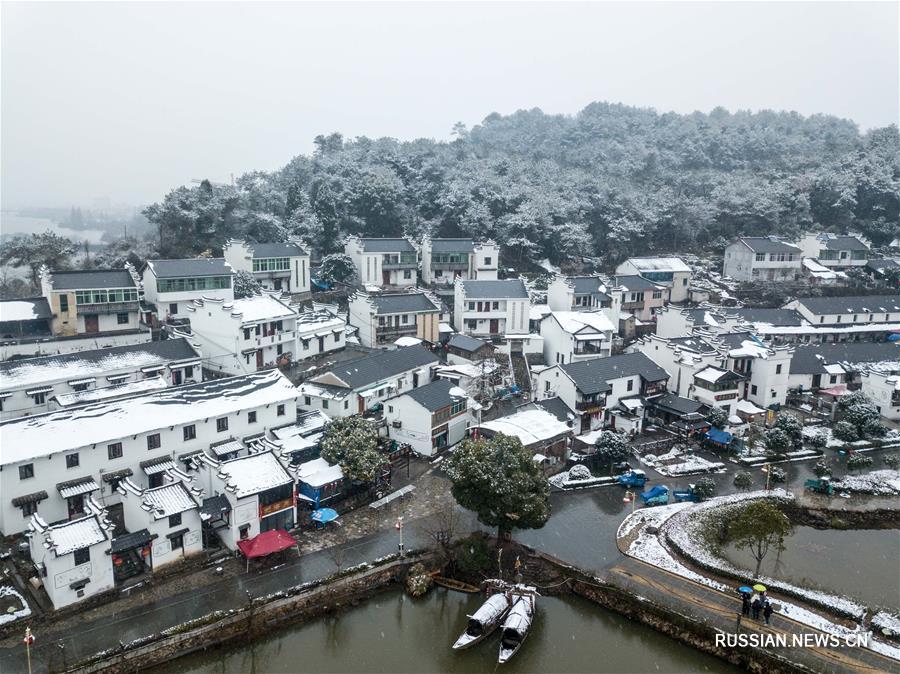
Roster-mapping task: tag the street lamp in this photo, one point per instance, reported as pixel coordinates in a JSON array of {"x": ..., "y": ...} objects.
[
  {"x": 629, "y": 498},
  {"x": 399, "y": 528},
  {"x": 766, "y": 469},
  {"x": 28, "y": 640}
]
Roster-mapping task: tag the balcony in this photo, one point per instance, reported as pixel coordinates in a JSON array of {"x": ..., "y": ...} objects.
[
  {"x": 591, "y": 406},
  {"x": 450, "y": 266},
  {"x": 398, "y": 330},
  {"x": 395, "y": 262},
  {"x": 633, "y": 305},
  {"x": 109, "y": 308}
]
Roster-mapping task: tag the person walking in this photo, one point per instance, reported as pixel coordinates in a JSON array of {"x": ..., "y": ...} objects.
[
  {"x": 767, "y": 612},
  {"x": 756, "y": 606},
  {"x": 745, "y": 603}
]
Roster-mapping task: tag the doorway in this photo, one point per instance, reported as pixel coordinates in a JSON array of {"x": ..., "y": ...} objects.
[{"x": 91, "y": 323}]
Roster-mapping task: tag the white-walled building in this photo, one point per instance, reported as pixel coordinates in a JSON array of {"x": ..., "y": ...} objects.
[
  {"x": 848, "y": 311},
  {"x": 835, "y": 251},
  {"x": 445, "y": 260},
  {"x": 38, "y": 385},
  {"x": 430, "y": 418},
  {"x": 762, "y": 258},
  {"x": 51, "y": 462},
  {"x": 319, "y": 332},
  {"x": 354, "y": 386},
  {"x": 244, "y": 335},
  {"x": 72, "y": 558},
  {"x": 883, "y": 388},
  {"x": 636, "y": 296},
  {"x": 539, "y": 431},
  {"x": 277, "y": 266},
  {"x": 91, "y": 302},
  {"x": 717, "y": 387},
  {"x": 826, "y": 365},
  {"x": 491, "y": 308},
  {"x": 570, "y": 336},
  {"x": 671, "y": 272},
  {"x": 581, "y": 293},
  {"x": 383, "y": 318},
  {"x": 383, "y": 262},
  {"x": 680, "y": 357},
  {"x": 172, "y": 285}
]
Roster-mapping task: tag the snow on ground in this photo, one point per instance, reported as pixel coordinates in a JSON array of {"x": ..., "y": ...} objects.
[
  {"x": 564, "y": 481},
  {"x": 887, "y": 621},
  {"x": 676, "y": 462},
  {"x": 879, "y": 482},
  {"x": 24, "y": 612}
]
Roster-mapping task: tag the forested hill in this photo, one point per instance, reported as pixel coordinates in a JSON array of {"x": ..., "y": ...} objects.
[{"x": 610, "y": 181}]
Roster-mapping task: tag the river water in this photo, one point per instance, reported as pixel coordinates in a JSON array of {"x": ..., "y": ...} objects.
[
  {"x": 12, "y": 223},
  {"x": 861, "y": 563},
  {"x": 394, "y": 633}
]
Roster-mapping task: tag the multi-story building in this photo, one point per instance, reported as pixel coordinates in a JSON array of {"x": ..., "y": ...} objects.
[
  {"x": 51, "y": 462},
  {"x": 762, "y": 258},
  {"x": 883, "y": 388},
  {"x": 91, "y": 302},
  {"x": 491, "y": 308},
  {"x": 638, "y": 296},
  {"x": 445, "y": 260},
  {"x": 319, "y": 332},
  {"x": 591, "y": 387},
  {"x": 671, "y": 272},
  {"x": 430, "y": 418},
  {"x": 354, "y": 386},
  {"x": 38, "y": 385},
  {"x": 835, "y": 252},
  {"x": 717, "y": 387},
  {"x": 580, "y": 293},
  {"x": 245, "y": 335},
  {"x": 848, "y": 311},
  {"x": 571, "y": 336},
  {"x": 170, "y": 286},
  {"x": 815, "y": 366},
  {"x": 383, "y": 318},
  {"x": 277, "y": 266},
  {"x": 383, "y": 262}
]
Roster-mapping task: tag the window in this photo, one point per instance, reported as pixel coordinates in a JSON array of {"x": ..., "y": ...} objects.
[
  {"x": 244, "y": 532},
  {"x": 657, "y": 294},
  {"x": 495, "y": 306},
  {"x": 189, "y": 372},
  {"x": 404, "y": 319},
  {"x": 760, "y": 257},
  {"x": 838, "y": 319},
  {"x": 774, "y": 394},
  {"x": 487, "y": 260},
  {"x": 280, "y": 410},
  {"x": 153, "y": 441},
  {"x": 72, "y": 460},
  {"x": 630, "y": 385},
  {"x": 177, "y": 542},
  {"x": 80, "y": 387},
  {"x": 39, "y": 398},
  {"x": 64, "y": 304},
  {"x": 122, "y": 318},
  {"x": 854, "y": 318},
  {"x": 175, "y": 520},
  {"x": 471, "y": 306},
  {"x": 778, "y": 369},
  {"x": 324, "y": 405},
  {"x": 279, "y": 349},
  {"x": 29, "y": 509},
  {"x": 190, "y": 432},
  {"x": 753, "y": 389},
  {"x": 547, "y": 386},
  {"x": 173, "y": 308},
  {"x": 833, "y": 379},
  {"x": 82, "y": 556},
  {"x": 246, "y": 333},
  {"x": 222, "y": 424},
  {"x": 307, "y": 401},
  {"x": 251, "y": 417},
  {"x": 26, "y": 471},
  {"x": 114, "y": 451},
  {"x": 472, "y": 325},
  {"x": 684, "y": 281},
  {"x": 337, "y": 338},
  {"x": 407, "y": 273}
]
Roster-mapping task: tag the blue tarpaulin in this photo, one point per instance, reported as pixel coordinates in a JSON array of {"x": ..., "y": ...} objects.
[
  {"x": 719, "y": 436},
  {"x": 324, "y": 515}
]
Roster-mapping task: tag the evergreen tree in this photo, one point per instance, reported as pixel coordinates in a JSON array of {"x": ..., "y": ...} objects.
[{"x": 352, "y": 442}]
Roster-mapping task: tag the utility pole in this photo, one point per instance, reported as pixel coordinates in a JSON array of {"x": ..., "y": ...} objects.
[
  {"x": 28, "y": 640},
  {"x": 399, "y": 527}
]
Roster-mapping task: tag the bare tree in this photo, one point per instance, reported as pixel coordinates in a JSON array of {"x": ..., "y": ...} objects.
[
  {"x": 442, "y": 528},
  {"x": 336, "y": 554}
]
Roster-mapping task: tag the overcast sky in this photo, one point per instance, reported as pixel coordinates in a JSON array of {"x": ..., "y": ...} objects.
[{"x": 126, "y": 100}]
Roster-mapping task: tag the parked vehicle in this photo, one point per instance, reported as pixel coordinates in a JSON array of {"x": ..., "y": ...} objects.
[
  {"x": 659, "y": 495},
  {"x": 821, "y": 486},
  {"x": 633, "y": 478},
  {"x": 688, "y": 494}
]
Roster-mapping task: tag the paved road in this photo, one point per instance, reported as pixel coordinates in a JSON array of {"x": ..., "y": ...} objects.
[{"x": 720, "y": 610}]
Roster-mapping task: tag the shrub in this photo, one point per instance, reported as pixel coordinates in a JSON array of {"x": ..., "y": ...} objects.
[
  {"x": 705, "y": 487},
  {"x": 844, "y": 430},
  {"x": 818, "y": 438},
  {"x": 777, "y": 475},
  {"x": 743, "y": 480},
  {"x": 821, "y": 469},
  {"x": 892, "y": 461},
  {"x": 579, "y": 472},
  {"x": 858, "y": 462},
  {"x": 474, "y": 556}
]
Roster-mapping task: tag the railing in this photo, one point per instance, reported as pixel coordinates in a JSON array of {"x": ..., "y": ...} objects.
[
  {"x": 451, "y": 266},
  {"x": 396, "y": 329},
  {"x": 591, "y": 405},
  {"x": 108, "y": 308}
]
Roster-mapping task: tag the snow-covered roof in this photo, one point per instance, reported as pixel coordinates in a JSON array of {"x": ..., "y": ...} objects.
[
  {"x": 466, "y": 369},
  {"x": 590, "y": 322},
  {"x": 307, "y": 423},
  {"x": 819, "y": 271},
  {"x": 407, "y": 341},
  {"x": 257, "y": 308},
  {"x": 714, "y": 374},
  {"x": 530, "y": 426},
  {"x": 537, "y": 311},
  {"x": 665, "y": 264},
  {"x": 67, "y": 537},
  {"x": 45, "y": 434},
  {"x": 33, "y": 309},
  {"x": 319, "y": 472},
  {"x": 254, "y": 473},
  {"x": 108, "y": 392},
  {"x": 170, "y": 499},
  {"x": 749, "y": 349},
  {"x": 748, "y": 407}
]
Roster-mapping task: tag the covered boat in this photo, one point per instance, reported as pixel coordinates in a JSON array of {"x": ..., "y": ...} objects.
[
  {"x": 484, "y": 620},
  {"x": 517, "y": 623}
]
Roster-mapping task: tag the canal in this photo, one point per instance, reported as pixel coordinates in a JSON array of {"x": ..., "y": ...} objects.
[{"x": 394, "y": 633}]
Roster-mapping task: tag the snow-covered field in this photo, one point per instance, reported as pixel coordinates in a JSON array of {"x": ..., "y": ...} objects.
[
  {"x": 878, "y": 482},
  {"x": 24, "y": 612},
  {"x": 676, "y": 462},
  {"x": 564, "y": 481}
]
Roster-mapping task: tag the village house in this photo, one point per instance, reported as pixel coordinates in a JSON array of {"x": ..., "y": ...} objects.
[
  {"x": 357, "y": 385},
  {"x": 72, "y": 557},
  {"x": 445, "y": 260},
  {"x": 539, "y": 431},
  {"x": 462, "y": 349},
  {"x": 37, "y": 385},
  {"x": 671, "y": 272},
  {"x": 170, "y": 286},
  {"x": 298, "y": 442},
  {"x": 491, "y": 308},
  {"x": 318, "y": 483},
  {"x": 430, "y": 418},
  {"x": 571, "y": 336},
  {"x": 581, "y": 293},
  {"x": 591, "y": 387},
  {"x": 167, "y": 517},
  {"x": 52, "y": 462},
  {"x": 638, "y": 297},
  {"x": 834, "y": 251},
  {"x": 848, "y": 311},
  {"x": 260, "y": 494},
  {"x": 244, "y": 335},
  {"x": 383, "y": 262},
  {"x": 762, "y": 258},
  {"x": 717, "y": 387},
  {"x": 883, "y": 389},
  {"x": 680, "y": 357},
  {"x": 383, "y": 318},
  {"x": 826, "y": 365},
  {"x": 282, "y": 267}
]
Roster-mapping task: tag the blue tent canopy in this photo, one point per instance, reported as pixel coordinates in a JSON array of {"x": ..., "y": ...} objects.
[
  {"x": 324, "y": 515},
  {"x": 719, "y": 436}
]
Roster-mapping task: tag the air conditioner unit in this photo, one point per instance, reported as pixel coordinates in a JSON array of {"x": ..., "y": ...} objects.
[{"x": 397, "y": 423}]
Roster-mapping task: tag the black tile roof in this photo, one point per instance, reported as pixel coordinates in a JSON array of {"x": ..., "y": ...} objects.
[
  {"x": 693, "y": 344},
  {"x": 403, "y": 303},
  {"x": 136, "y": 539},
  {"x": 508, "y": 289},
  {"x": 466, "y": 343},
  {"x": 452, "y": 246},
  {"x": 813, "y": 358},
  {"x": 586, "y": 285},
  {"x": 675, "y": 404},
  {"x": 94, "y": 278},
  {"x": 386, "y": 246},
  {"x": 852, "y": 305},
  {"x": 198, "y": 266},
  {"x": 735, "y": 340},
  {"x": 557, "y": 407},
  {"x": 763, "y": 244},
  {"x": 636, "y": 283},
  {"x": 592, "y": 376},
  {"x": 882, "y": 265},
  {"x": 382, "y": 365},
  {"x": 766, "y": 315},
  {"x": 434, "y": 396},
  {"x": 215, "y": 506},
  {"x": 261, "y": 250},
  {"x": 844, "y": 243}
]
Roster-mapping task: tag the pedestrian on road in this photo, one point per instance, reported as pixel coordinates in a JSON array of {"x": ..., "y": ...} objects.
[
  {"x": 756, "y": 606},
  {"x": 745, "y": 604},
  {"x": 767, "y": 612}
]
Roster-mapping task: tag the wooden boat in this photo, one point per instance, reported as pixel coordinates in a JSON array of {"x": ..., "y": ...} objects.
[
  {"x": 517, "y": 623},
  {"x": 453, "y": 584},
  {"x": 484, "y": 621}
]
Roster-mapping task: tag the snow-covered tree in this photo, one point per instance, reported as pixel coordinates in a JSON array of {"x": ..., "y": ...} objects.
[
  {"x": 777, "y": 441},
  {"x": 245, "y": 284},
  {"x": 743, "y": 480},
  {"x": 611, "y": 447},
  {"x": 705, "y": 488},
  {"x": 845, "y": 431},
  {"x": 500, "y": 482},
  {"x": 792, "y": 427},
  {"x": 337, "y": 268},
  {"x": 353, "y": 443},
  {"x": 821, "y": 468},
  {"x": 858, "y": 462},
  {"x": 717, "y": 417},
  {"x": 32, "y": 251}
]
